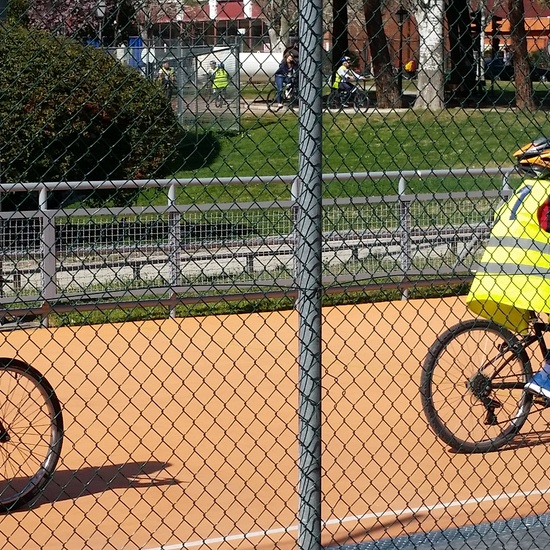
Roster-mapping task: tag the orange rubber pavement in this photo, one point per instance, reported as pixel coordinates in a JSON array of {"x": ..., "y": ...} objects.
[{"x": 184, "y": 430}]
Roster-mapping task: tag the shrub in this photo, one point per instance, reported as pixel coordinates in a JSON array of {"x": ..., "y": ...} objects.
[{"x": 72, "y": 112}]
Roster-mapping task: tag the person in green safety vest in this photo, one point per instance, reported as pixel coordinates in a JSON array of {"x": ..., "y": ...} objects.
[
  {"x": 513, "y": 277},
  {"x": 220, "y": 81},
  {"x": 343, "y": 79},
  {"x": 167, "y": 77}
]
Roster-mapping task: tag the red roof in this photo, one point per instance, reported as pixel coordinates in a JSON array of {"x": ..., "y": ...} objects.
[
  {"x": 532, "y": 9},
  {"x": 227, "y": 11}
]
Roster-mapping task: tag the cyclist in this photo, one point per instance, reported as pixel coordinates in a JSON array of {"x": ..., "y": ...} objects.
[
  {"x": 167, "y": 77},
  {"x": 285, "y": 74},
  {"x": 343, "y": 79},
  {"x": 513, "y": 277},
  {"x": 220, "y": 80}
]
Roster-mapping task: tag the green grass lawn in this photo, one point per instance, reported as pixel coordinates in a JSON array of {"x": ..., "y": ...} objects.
[{"x": 404, "y": 140}]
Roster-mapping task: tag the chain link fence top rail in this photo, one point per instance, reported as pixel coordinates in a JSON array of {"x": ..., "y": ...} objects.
[{"x": 237, "y": 239}]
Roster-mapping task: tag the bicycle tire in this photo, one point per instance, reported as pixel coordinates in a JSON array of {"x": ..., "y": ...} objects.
[
  {"x": 361, "y": 100},
  {"x": 271, "y": 98},
  {"x": 219, "y": 101},
  {"x": 467, "y": 405},
  {"x": 291, "y": 97},
  {"x": 333, "y": 101},
  {"x": 31, "y": 435}
]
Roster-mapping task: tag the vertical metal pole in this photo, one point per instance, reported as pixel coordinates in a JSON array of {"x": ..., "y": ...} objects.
[
  {"x": 405, "y": 232},
  {"x": 400, "y": 73},
  {"x": 308, "y": 276},
  {"x": 174, "y": 244},
  {"x": 48, "y": 253}
]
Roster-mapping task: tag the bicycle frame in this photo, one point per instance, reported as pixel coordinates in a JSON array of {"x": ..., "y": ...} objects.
[{"x": 481, "y": 391}]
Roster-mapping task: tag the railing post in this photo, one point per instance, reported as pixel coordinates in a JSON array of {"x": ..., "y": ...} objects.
[
  {"x": 294, "y": 194},
  {"x": 48, "y": 254},
  {"x": 174, "y": 243},
  {"x": 506, "y": 182},
  {"x": 404, "y": 232}
]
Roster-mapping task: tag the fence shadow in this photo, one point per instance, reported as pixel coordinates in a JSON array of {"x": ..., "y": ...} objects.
[
  {"x": 360, "y": 538},
  {"x": 72, "y": 484},
  {"x": 521, "y": 441}
]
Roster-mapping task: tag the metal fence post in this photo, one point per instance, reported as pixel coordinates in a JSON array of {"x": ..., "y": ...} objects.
[
  {"x": 308, "y": 277},
  {"x": 48, "y": 252},
  {"x": 404, "y": 232},
  {"x": 174, "y": 242}
]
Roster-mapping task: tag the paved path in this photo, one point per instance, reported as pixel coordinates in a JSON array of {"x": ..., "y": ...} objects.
[{"x": 181, "y": 432}]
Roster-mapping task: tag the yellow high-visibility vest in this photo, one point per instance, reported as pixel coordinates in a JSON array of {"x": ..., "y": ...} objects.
[
  {"x": 221, "y": 79},
  {"x": 513, "y": 278},
  {"x": 338, "y": 77}
]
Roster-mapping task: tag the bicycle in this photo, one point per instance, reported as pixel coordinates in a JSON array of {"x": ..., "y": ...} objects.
[
  {"x": 358, "y": 96},
  {"x": 220, "y": 98},
  {"x": 289, "y": 94},
  {"x": 31, "y": 433},
  {"x": 472, "y": 383}
]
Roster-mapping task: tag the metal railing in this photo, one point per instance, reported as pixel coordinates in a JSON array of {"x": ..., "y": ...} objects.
[{"x": 55, "y": 260}]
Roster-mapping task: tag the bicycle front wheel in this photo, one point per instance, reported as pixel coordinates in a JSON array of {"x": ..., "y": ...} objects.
[
  {"x": 271, "y": 99},
  {"x": 31, "y": 433},
  {"x": 472, "y": 386},
  {"x": 220, "y": 99}
]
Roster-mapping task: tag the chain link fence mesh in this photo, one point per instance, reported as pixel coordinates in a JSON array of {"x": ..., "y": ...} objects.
[{"x": 225, "y": 275}]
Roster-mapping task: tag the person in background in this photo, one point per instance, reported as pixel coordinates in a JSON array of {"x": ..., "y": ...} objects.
[
  {"x": 167, "y": 77},
  {"x": 212, "y": 66},
  {"x": 343, "y": 79},
  {"x": 220, "y": 80},
  {"x": 286, "y": 71},
  {"x": 410, "y": 69}
]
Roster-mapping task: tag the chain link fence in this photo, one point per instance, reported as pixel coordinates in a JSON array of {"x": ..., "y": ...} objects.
[{"x": 234, "y": 315}]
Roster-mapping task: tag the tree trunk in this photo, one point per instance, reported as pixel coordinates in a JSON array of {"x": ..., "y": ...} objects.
[
  {"x": 431, "y": 75},
  {"x": 387, "y": 94},
  {"x": 279, "y": 35},
  {"x": 339, "y": 32},
  {"x": 518, "y": 42},
  {"x": 463, "y": 79}
]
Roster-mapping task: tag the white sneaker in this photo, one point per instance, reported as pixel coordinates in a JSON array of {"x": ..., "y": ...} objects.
[{"x": 539, "y": 384}]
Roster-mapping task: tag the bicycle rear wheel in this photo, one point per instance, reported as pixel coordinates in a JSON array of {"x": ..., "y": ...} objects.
[
  {"x": 333, "y": 100},
  {"x": 271, "y": 99},
  {"x": 31, "y": 433},
  {"x": 472, "y": 386}
]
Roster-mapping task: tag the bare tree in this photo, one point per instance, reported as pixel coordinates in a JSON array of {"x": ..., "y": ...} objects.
[
  {"x": 431, "y": 76},
  {"x": 518, "y": 39},
  {"x": 281, "y": 17},
  {"x": 462, "y": 47},
  {"x": 66, "y": 17},
  {"x": 387, "y": 94},
  {"x": 340, "y": 22}
]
